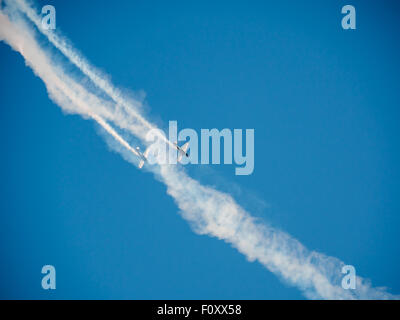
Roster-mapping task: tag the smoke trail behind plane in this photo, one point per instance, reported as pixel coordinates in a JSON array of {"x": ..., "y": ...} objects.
[{"x": 209, "y": 211}]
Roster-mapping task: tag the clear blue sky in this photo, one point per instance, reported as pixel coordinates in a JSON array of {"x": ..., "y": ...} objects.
[{"x": 324, "y": 103}]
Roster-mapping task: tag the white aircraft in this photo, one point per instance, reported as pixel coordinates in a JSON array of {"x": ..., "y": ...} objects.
[
  {"x": 143, "y": 156},
  {"x": 182, "y": 151}
]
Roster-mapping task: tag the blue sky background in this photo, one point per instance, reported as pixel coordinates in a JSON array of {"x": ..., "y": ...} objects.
[{"x": 324, "y": 105}]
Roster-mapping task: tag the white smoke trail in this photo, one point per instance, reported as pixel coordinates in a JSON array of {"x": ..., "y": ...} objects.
[
  {"x": 139, "y": 122},
  {"x": 66, "y": 92},
  {"x": 209, "y": 211}
]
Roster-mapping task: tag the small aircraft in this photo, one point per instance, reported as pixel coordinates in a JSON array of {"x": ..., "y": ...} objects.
[
  {"x": 143, "y": 156},
  {"x": 182, "y": 151}
]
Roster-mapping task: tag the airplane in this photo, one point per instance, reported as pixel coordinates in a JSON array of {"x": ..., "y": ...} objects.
[
  {"x": 143, "y": 156},
  {"x": 182, "y": 150}
]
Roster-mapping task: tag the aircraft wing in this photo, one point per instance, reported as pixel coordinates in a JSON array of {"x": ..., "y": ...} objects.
[
  {"x": 146, "y": 152},
  {"x": 143, "y": 158},
  {"x": 141, "y": 164}
]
